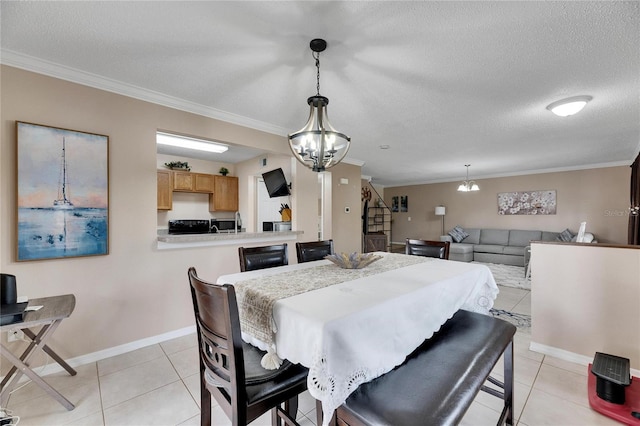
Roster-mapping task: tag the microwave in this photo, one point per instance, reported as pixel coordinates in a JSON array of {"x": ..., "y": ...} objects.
[
  {"x": 276, "y": 226},
  {"x": 223, "y": 225}
]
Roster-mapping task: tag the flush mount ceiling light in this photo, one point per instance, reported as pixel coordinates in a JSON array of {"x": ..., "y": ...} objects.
[
  {"x": 189, "y": 143},
  {"x": 468, "y": 185},
  {"x": 569, "y": 106},
  {"x": 318, "y": 145}
]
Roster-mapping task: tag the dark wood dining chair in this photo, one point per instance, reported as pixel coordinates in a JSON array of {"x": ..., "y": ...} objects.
[
  {"x": 230, "y": 369},
  {"x": 427, "y": 248},
  {"x": 313, "y": 250},
  {"x": 252, "y": 258}
]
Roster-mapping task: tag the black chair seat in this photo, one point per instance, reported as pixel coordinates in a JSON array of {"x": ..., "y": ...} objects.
[{"x": 438, "y": 382}]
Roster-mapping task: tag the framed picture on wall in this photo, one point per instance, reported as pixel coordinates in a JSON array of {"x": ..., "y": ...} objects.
[
  {"x": 395, "y": 204},
  {"x": 62, "y": 193},
  {"x": 404, "y": 203}
]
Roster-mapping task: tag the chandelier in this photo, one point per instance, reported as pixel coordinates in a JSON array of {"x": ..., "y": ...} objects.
[
  {"x": 468, "y": 185},
  {"x": 318, "y": 145}
]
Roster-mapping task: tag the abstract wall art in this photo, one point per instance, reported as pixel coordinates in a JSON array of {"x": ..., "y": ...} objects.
[{"x": 527, "y": 202}]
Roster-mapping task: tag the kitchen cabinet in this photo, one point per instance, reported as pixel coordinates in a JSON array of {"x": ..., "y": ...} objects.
[
  {"x": 165, "y": 190},
  {"x": 192, "y": 182},
  {"x": 225, "y": 194}
]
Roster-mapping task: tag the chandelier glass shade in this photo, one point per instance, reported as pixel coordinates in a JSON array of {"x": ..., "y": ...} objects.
[
  {"x": 318, "y": 145},
  {"x": 468, "y": 185}
]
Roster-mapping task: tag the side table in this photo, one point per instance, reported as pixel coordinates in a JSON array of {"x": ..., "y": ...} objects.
[{"x": 54, "y": 310}]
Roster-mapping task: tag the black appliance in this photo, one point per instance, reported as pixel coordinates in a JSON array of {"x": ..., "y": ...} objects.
[
  {"x": 224, "y": 225},
  {"x": 276, "y": 183},
  {"x": 189, "y": 226},
  {"x": 276, "y": 226}
]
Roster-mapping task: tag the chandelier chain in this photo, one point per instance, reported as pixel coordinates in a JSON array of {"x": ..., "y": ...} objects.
[{"x": 316, "y": 55}]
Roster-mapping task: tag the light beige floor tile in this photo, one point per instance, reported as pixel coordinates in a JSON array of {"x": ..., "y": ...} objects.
[
  {"x": 129, "y": 359},
  {"x": 480, "y": 415},
  {"x": 193, "y": 421},
  {"x": 520, "y": 395},
  {"x": 192, "y": 384},
  {"x": 85, "y": 375},
  {"x": 521, "y": 343},
  {"x": 307, "y": 404},
  {"x": 47, "y": 411},
  {"x": 509, "y": 297},
  {"x": 563, "y": 384},
  {"x": 525, "y": 369},
  {"x": 219, "y": 418},
  {"x": 179, "y": 344},
  {"x": 524, "y": 306},
  {"x": 96, "y": 419},
  {"x": 137, "y": 380},
  {"x": 168, "y": 405},
  {"x": 306, "y": 421},
  {"x": 546, "y": 409},
  {"x": 186, "y": 362},
  {"x": 566, "y": 365}
]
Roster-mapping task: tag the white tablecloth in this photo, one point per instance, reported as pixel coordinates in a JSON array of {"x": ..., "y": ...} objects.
[{"x": 353, "y": 332}]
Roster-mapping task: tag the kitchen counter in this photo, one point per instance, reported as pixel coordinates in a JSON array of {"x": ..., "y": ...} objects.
[{"x": 167, "y": 242}]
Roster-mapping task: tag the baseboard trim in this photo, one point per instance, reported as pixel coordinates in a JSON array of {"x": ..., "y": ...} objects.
[
  {"x": 568, "y": 356},
  {"x": 53, "y": 367}
]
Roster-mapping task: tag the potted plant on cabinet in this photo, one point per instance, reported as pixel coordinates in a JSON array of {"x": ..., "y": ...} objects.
[{"x": 224, "y": 171}]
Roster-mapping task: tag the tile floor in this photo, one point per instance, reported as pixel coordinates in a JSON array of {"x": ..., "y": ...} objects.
[{"x": 158, "y": 385}]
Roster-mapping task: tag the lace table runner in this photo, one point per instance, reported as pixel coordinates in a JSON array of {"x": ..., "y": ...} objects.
[{"x": 257, "y": 296}]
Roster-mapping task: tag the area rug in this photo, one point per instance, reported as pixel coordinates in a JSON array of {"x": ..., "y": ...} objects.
[
  {"x": 508, "y": 275},
  {"x": 521, "y": 321}
]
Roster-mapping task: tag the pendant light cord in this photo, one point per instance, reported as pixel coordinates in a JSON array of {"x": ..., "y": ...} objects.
[{"x": 316, "y": 55}]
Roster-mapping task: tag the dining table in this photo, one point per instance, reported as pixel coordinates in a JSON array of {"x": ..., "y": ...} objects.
[{"x": 349, "y": 326}]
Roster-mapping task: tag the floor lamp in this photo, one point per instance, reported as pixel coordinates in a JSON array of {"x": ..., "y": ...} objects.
[{"x": 440, "y": 211}]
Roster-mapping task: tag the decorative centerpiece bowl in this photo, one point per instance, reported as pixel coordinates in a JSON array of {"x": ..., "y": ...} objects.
[{"x": 353, "y": 260}]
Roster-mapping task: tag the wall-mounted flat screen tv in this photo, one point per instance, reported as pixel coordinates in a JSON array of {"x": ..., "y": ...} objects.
[{"x": 276, "y": 183}]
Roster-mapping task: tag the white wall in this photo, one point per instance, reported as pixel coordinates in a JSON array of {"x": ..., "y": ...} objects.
[{"x": 585, "y": 299}]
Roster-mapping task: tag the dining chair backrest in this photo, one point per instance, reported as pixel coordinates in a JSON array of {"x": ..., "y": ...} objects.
[
  {"x": 427, "y": 248},
  {"x": 313, "y": 250},
  {"x": 230, "y": 370},
  {"x": 252, "y": 258}
]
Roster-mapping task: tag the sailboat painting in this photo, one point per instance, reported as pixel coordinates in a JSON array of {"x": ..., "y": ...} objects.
[{"x": 62, "y": 193}]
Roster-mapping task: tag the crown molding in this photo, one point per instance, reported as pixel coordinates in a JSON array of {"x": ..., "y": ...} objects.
[
  {"x": 523, "y": 173},
  {"x": 51, "y": 69}
]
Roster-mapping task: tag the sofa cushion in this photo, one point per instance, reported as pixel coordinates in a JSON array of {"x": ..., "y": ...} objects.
[
  {"x": 488, "y": 248},
  {"x": 458, "y": 234},
  {"x": 474, "y": 236},
  {"x": 523, "y": 238},
  {"x": 549, "y": 236},
  {"x": 494, "y": 237},
  {"x": 514, "y": 250},
  {"x": 461, "y": 248},
  {"x": 565, "y": 235}
]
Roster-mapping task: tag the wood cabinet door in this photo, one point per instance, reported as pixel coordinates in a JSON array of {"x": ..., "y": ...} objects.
[
  {"x": 203, "y": 182},
  {"x": 183, "y": 181},
  {"x": 225, "y": 194},
  {"x": 165, "y": 190}
]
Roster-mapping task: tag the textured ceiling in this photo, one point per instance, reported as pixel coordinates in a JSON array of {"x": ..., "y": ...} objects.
[{"x": 443, "y": 84}]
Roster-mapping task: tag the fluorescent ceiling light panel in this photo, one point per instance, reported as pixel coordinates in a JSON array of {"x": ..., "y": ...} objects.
[{"x": 189, "y": 143}]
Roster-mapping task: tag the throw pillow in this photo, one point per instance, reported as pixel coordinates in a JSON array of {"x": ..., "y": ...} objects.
[
  {"x": 458, "y": 234},
  {"x": 565, "y": 235}
]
